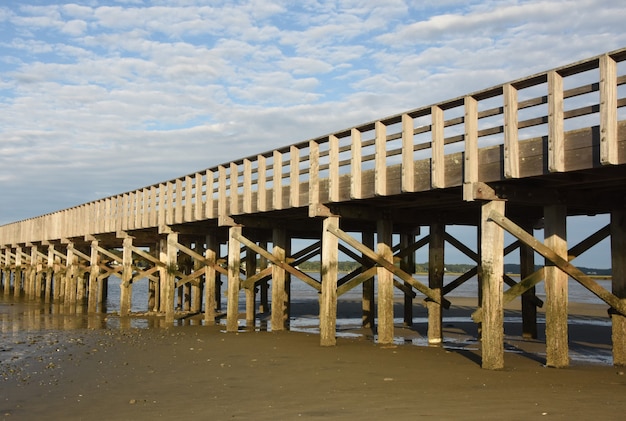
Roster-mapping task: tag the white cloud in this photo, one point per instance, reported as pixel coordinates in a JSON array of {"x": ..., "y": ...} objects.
[{"x": 108, "y": 96}]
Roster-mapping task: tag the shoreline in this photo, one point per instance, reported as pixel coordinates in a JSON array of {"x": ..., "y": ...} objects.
[{"x": 72, "y": 371}]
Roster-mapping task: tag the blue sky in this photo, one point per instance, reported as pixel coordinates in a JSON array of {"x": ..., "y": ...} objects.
[{"x": 101, "y": 97}]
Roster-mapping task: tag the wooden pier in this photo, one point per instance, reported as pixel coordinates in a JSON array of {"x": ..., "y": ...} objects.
[{"x": 525, "y": 154}]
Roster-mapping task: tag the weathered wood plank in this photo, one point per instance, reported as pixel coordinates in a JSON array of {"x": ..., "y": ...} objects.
[
  {"x": 437, "y": 147},
  {"x": 608, "y": 111},
  {"x": 328, "y": 298},
  {"x": 471, "y": 140},
  {"x": 556, "y": 139},
  {"x": 492, "y": 268},
  {"x": 511, "y": 140},
  {"x": 618, "y": 284}
]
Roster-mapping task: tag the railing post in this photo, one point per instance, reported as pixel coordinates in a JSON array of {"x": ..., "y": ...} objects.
[
  {"x": 294, "y": 177},
  {"x": 556, "y": 138},
  {"x": 408, "y": 162},
  {"x": 437, "y": 147},
  {"x": 333, "y": 168},
  {"x": 511, "y": 140},
  {"x": 608, "y": 111},
  {"x": 380, "y": 159},
  {"x": 356, "y": 157},
  {"x": 277, "y": 190},
  {"x": 471, "y": 140}
]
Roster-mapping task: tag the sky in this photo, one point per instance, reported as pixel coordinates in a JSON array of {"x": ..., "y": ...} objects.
[{"x": 102, "y": 97}]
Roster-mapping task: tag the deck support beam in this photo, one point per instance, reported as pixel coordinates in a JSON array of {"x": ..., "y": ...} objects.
[
  {"x": 491, "y": 270},
  {"x": 557, "y": 354},
  {"x": 618, "y": 259}
]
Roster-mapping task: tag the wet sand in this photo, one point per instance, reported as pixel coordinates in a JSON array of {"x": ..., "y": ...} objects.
[{"x": 200, "y": 372}]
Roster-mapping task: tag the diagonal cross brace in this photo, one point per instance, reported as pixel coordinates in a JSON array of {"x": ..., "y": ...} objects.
[
  {"x": 389, "y": 266},
  {"x": 558, "y": 261}
]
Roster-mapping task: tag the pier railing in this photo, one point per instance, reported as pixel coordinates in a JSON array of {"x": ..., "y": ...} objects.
[{"x": 432, "y": 147}]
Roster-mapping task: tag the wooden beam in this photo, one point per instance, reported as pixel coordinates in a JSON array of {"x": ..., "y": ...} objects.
[
  {"x": 557, "y": 354},
  {"x": 280, "y": 299},
  {"x": 511, "y": 130},
  {"x": 356, "y": 157},
  {"x": 492, "y": 268},
  {"x": 408, "y": 161},
  {"x": 471, "y": 140},
  {"x": 380, "y": 159},
  {"x": 387, "y": 265},
  {"x": 435, "y": 281},
  {"x": 385, "y": 282},
  {"x": 560, "y": 262},
  {"x": 234, "y": 263},
  {"x": 556, "y": 138},
  {"x": 328, "y": 299},
  {"x": 618, "y": 284},
  {"x": 608, "y": 111},
  {"x": 437, "y": 147}
]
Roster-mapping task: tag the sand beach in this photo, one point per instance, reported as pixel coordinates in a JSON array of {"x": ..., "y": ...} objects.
[{"x": 72, "y": 367}]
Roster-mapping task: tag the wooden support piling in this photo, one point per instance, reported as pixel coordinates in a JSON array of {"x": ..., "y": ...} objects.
[
  {"x": 557, "y": 354},
  {"x": 492, "y": 269},
  {"x": 368, "y": 294},
  {"x": 126, "y": 286},
  {"x": 529, "y": 308},
  {"x": 436, "y": 270},
  {"x": 210, "y": 279},
  {"x": 618, "y": 259},
  {"x": 280, "y": 316},
  {"x": 234, "y": 264},
  {"x": 329, "y": 269},
  {"x": 385, "y": 282}
]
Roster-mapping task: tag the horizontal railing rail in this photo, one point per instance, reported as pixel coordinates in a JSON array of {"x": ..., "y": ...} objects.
[{"x": 586, "y": 94}]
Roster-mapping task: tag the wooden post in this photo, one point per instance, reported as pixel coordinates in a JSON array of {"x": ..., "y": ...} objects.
[
  {"x": 529, "y": 308},
  {"x": 608, "y": 111},
  {"x": 250, "y": 292},
  {"x": 153, "y": 286},
  {"x": 380, "y": 159},
  {"x": 556, "y": 288},
  {"x": 511, "y": 141},
  {"x": 556, "y": 137},
  {"x": 264, "y": 286},
  {"x": 368, "y": 301},
  {"x": 407, "y": 264},
  {"x": 385, "y": 282},
  {"x": 492, "y": 268},
  {"x": 17, "y": 276},
  {"x": 94, "y": 275},
  {"x": 437, "y": 148},
  {"x": 32, "y": 273},
  {"x": 7, "y": 272},
  {"x": 234, "y": 264},
  {"x": 618, "y": 266},
  {"x": 210, "y": 279},
  {"x": 328, "y": 302},
  {"x": 70, "y": 276},
  {"x": 196, "y": 288},
  {"x": 280, "y": 314},
  {"x": 39, "y": 273},
  {"x": 169, "y": 254},
  {"x": 126, "y": 286},
  {"x": 436, "y": 270}
]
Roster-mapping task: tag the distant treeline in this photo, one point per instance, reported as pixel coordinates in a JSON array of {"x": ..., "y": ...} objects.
[{"x": 348, "y": 266}]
